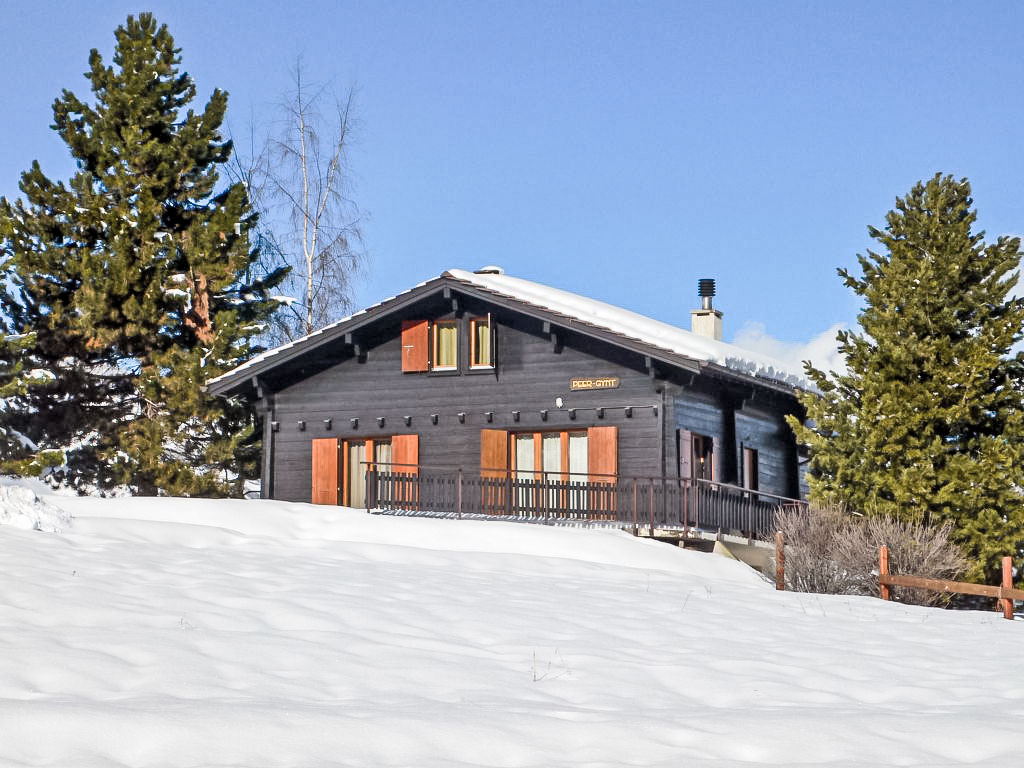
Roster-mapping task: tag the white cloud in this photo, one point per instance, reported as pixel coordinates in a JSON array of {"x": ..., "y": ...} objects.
[{"x": 821, "y": 350}]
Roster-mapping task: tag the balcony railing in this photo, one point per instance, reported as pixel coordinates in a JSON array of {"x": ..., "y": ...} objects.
[{"x": 649, "y": 502}]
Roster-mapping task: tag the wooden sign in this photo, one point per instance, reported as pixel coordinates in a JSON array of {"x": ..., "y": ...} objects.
[{"x": 605, "y": 382}]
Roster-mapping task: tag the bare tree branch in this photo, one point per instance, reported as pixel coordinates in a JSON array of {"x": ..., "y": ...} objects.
[{"x": 299, "y": 180}]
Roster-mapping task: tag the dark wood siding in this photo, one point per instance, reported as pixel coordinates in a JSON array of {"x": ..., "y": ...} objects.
[
  {"x": 532, "y": 371},
  {"x": 771, "y": 437},
  {"x": 701, "y": 413}
]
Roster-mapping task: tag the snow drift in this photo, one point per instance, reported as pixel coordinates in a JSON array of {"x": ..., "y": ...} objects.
[{"x": 167, "y": 632}]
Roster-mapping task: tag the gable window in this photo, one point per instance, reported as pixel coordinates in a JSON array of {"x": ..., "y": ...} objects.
[
  {"x": 481, "y": 343},
  {"x": 446, "y": 345}
]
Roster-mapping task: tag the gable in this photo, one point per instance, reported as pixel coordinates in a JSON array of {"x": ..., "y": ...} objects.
[{"x": 560, "y": 315}]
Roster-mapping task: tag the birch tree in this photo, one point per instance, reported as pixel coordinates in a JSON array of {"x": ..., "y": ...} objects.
[{"x": 301, "y": 182}]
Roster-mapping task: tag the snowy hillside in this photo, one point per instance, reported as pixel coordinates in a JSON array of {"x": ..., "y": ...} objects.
[{"x": 163, "y": 632}]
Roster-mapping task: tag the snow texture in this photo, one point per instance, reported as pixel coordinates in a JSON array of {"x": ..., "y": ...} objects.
[
  {"x": 580, "y": 309},
  {"x": 168, "y": 632},
  {"x": 20, "y": 507}
]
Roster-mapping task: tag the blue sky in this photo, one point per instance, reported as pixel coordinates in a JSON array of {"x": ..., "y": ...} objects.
[{"x": 618, "y": 150}]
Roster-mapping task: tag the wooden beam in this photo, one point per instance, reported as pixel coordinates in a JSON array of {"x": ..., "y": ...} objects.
[{"x": 942, "y": 585}]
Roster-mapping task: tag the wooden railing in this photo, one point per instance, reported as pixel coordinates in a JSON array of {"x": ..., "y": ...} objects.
[{"x": 650, "y": 502}]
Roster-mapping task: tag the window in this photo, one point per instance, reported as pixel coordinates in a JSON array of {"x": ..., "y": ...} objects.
[
  {"x": 357, "y": 452},
  {"x": 750, "y": 468},
  {"x": 696, "y": 455},
  {"x": 446, "y": 345},
  {"x": 441, "y": 338},
  {"x": 703, "y": 457},
  {"x": 481, "y": 353},
  {"x": 577, "y": 468}
]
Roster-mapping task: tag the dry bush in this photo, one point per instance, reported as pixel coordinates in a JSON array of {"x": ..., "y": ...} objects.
[{"x": 829, "y": 550}]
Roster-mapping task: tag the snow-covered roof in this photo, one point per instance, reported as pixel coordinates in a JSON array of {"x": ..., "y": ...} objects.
[
  {"x": 577, "y": 310},
  {"x": 633, "y": 325}
]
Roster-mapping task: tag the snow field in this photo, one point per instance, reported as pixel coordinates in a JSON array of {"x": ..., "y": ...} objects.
[{"x": 168, "y": 632}]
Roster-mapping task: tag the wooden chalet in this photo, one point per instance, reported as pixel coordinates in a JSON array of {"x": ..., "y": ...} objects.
[{"x": 479, "y": 392}]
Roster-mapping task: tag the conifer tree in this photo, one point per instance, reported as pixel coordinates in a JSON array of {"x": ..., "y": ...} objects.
[
  {"x": 926, "y": 424},
  {"x": 133, "y": 279}
]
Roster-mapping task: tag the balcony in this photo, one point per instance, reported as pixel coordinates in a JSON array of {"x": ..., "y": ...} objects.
[{"x": 651, "y": 503}]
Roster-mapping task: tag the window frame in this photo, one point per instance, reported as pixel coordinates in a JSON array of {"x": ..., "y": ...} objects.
[
  {"x": 435, "y": 327},
  {"x": 474, "y": 324}
]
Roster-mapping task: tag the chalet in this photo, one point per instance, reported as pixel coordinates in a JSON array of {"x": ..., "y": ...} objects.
[{"x": 482, "y": 392}]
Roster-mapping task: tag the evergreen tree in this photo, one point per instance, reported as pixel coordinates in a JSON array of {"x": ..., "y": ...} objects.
[
  {"x": 925, "y": 424},
  {"x": 133, "y": 280}
]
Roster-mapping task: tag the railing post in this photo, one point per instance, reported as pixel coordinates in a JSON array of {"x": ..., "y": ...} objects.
[
  {"x": 684, "y": 499},
  {"x": 650, "y": 510},
  {"x": 371, "y": 489},
  {"x": 780, "y": 562},
  {"x": 696, "y": 504},
  {"x": 458, "y": 496},
  {"x": 636, "y": 530},
  {"x": 883, "y": 570},
  {"x": 1007, "y": 584}
]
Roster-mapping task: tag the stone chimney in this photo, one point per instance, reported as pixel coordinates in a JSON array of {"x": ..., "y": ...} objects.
[{"x": 706, "y": 321}]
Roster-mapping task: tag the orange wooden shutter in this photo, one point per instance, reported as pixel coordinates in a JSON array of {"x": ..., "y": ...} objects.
[
  {"x": 325, "y": 471},
  {"x": 602, "y": 453},
  {"x": 405, "y": 450},
  {"x": 602, "y": 461},
  {"x": 415, "y": 344},
  {"x": 405, "y": 456},
  {"x": 493, "y": 469}
]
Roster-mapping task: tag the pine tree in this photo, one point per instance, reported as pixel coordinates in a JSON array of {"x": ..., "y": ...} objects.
[
  {"x": 925, "y": 424},
  {"x": 133, "y": 279}
]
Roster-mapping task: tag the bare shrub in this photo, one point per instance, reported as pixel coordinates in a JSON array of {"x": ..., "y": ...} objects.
[
  {"x": 829, "y": 550},
  {"x": 810, "y": 534}
]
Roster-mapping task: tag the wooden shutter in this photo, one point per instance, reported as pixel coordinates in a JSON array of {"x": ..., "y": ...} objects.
[
  {"x": 603, "y": 453},
  {"x": 405, "y": 455},
  {"x": 603, "y": 460},
  {"x": 405, "y": 450},
  {"x": 325, "y": 471},
  {"x": 415, "y": 345},
  {"x": 493, "y": 470},
  {"x": 685, "y": 454}
]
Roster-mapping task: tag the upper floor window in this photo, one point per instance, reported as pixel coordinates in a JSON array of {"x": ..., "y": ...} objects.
[
  {"x": 435, "y": 346},
  {"x": 446, "y": 345},
  {"x": 481, "y": 343}
]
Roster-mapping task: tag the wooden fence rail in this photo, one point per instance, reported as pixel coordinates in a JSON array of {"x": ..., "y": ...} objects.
[{"x": 1005, "y": 593}]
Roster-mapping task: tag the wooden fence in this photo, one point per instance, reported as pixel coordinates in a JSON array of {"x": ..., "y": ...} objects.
[
  {"x": 650, "y": 502},
  {"x": 1005, "y": 593}
]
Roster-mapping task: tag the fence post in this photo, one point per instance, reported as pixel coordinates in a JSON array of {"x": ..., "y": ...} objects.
[
  {"x": 1007, "y": 584},
  {"x": 780, "y": 562},
  {"x": 883, "y": 570}
]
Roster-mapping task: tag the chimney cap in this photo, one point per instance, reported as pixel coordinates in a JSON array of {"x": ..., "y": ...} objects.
[{"x": 706, "y": 287}]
